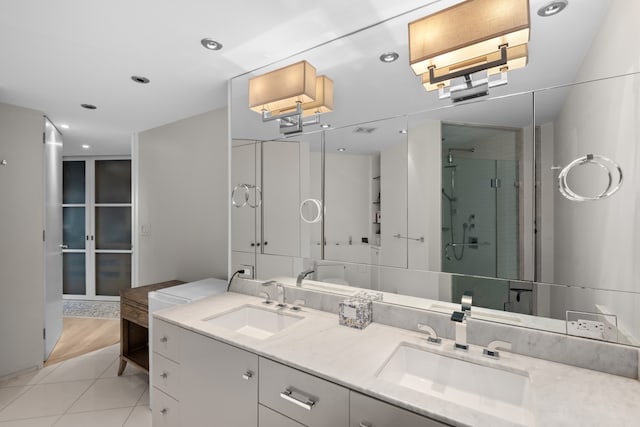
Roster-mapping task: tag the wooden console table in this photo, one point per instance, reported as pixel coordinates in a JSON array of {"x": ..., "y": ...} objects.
[{"x": 134, "y": 324}]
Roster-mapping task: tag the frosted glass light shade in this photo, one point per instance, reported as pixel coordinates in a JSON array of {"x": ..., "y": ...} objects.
[
  {"x": 282, "y": 88},
  {"x": 471, "y": 29},
  {"x": 517, "y": 57},
  {"x": 323, "y": 99}
]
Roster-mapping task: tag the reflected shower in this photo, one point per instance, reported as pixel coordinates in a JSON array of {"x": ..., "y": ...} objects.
[{"x": 451, "y": 197}]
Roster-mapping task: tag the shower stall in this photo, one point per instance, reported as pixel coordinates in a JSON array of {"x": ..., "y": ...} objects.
[{"x": 480, "y": 211}]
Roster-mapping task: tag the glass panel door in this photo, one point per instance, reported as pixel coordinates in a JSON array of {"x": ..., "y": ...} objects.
[
  {"x": 97, "y": 231},
  {"x": 112, "y": 226},
  {"x": 74, "y": 251}
]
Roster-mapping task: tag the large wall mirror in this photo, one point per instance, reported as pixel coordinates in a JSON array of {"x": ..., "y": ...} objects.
[{"x": 528, "y": 196}]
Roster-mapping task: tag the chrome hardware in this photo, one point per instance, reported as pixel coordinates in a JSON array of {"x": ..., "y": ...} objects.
[
  {"x": 281, "y": 297},
  {"x": 466, "y": 301},
  {"x": 64, "y": 246},
  {"x": 3, "y": 162},
  {"x": 247, "y": 375},
  {"x": 417, "y": 239},
  {"x": 297, "y": 305},
  {"x": 164, "y": 375},
  {"x": 302, "y": 275},
  {"x": 164, "y": 411},
  {"x": 247, "y": 189},
  {"x": 432, "y": 336},
  {"x": 460, "y": 318},
  {"x": 455, "y": 245},
  {"x": 362, "y": 424},
  {"x": 595, "y": 159},
  {"x": 164, "y": 339},
  {"x": 492, "y": 349},
  {"x": 267, "y": 298},
  {"x": 302, "y": 401}
]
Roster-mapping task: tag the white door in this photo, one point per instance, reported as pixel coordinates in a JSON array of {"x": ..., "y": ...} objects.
[{"x": 53, "y": 237}]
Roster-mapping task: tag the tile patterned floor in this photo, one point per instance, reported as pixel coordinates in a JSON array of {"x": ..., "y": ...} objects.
[
  {"x": 99, "y": 309},
  {"x": 79, "y": 392}
]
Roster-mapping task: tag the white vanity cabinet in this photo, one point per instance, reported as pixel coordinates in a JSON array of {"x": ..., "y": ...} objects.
[
  {"x": 307, "y": 399},
  {"x": 164, "y": 376},
  {"x": 368, "y": 412},
  {"x": 219, "y": 384},
  {"x": 269, "y": 418}
]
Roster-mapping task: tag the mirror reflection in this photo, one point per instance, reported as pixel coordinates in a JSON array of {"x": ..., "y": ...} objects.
[{"x": 468, "y": 198}]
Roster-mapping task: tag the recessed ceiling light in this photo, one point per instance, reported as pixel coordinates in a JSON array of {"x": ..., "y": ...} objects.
[
  {"x": 389, "y": 56},
  {"x": 552, "y": 8},
  {"x": 140, "y": 79},
  {"x": 211, "y": 44},
  {"x": 64, "y": 126},
  {"x": 85, "y": 146},
  {"x": 342, "y": 149},
  {"x": 325, "y": 126},
  {"x": 88, "y": 106}
]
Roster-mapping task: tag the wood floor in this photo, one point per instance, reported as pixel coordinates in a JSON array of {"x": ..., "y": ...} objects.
[{"x": 82, "y": 335}]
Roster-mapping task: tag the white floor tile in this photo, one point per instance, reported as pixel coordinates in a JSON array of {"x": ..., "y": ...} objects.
[
  {"x": 32, "y": 422},
  {"x": 107, "y": 418},
  {"x": 9, "y": 394},
  {"x": 80, "y": 368},
  {"x": 29, "y": 378},
  {"x": 144, "y": 399},
  {"x": 44, "y": 400},
  {"x": 140, "y": 417},
  {"x": 110, "y": 393}
]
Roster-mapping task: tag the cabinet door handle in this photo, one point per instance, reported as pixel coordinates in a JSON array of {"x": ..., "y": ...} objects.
[
  {"x": 164, "y": 375},
  {"x": 247, "y": 375},
  {"x": 302, "y": 401},
  {"x": 164, "y": 411},
  {"x": 363, "y": 424},
  {"x": 164, "y": 339}
]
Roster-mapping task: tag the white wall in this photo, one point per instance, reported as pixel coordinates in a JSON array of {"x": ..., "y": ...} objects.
[
  {"x": 598, "y": 240},
  {"x": 21, "y": 248},
  {"x": 183, "y": 199}
]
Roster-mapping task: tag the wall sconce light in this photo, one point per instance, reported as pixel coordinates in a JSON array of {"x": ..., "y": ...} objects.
[
  {"x": 290, "y": 93},
  {"x": 470, "y": 37}
]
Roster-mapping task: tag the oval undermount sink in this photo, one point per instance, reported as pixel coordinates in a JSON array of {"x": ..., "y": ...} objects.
[
  {"x": 255, "y": 322},
  {"x": 500, "y": 393}
]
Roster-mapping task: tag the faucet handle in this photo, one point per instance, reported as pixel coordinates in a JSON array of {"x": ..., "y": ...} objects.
[
  {"x": 492, "y": 349},
  {"x": 432, "y": 336},
  {"x": 297, "y": 305},
  {"x": 466, "y": 302},
  {"x": 267, "y": 298}
]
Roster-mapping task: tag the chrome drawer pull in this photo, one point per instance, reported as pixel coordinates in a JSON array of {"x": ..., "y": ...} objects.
[
  {"x": 164, "y": 339},
  {"x": 164, "y": 411},
  {"x": 305, "y": 402},
  {"x": 247, "y": 375},
  {"x": 164, "y": 375}
]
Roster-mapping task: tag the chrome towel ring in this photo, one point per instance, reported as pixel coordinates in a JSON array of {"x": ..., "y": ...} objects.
[
  {"x": 604, "y": 162},
  {"x": 247, "y": 189}
]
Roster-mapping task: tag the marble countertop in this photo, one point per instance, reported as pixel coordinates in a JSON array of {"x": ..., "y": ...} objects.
[{"x": 560, "y": 395}]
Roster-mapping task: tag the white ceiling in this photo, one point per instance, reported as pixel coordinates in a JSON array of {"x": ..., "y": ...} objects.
[{"x": 59, "y": 54}]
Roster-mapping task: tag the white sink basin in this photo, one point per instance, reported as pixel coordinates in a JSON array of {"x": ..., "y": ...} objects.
[
  {"x": 254, "y": 321},
  {"x": 500, "y": 393}
]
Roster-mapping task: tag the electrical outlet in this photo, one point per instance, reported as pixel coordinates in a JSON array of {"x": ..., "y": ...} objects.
[
  {"x": 247, "y": 273},
  {"x": 586, "y": 328}
]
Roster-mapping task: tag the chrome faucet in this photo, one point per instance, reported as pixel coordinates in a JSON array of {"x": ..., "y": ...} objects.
[
  {"x": 432, "y": 337},
  {"x": 302, "y": 275},
  {"x": 267, "y": 296},
  {"x": 492, "y": 349},
  {"x": 281, "y": 298},
  {"x": 460, "y": 319}
]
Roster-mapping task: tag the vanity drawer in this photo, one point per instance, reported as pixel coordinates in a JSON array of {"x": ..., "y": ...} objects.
[
  {"x": 166, "y": 375},
  {"x": 165, "y": 411},
  {"x": 167, "y": 340},
  {"x": 269, "y": 418},
  {"x": 368, "y": 412},
  {"x": 309, "y": 400}
]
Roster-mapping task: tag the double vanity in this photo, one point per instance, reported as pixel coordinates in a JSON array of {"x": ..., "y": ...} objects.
[{"x": 233, "y": 360}]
